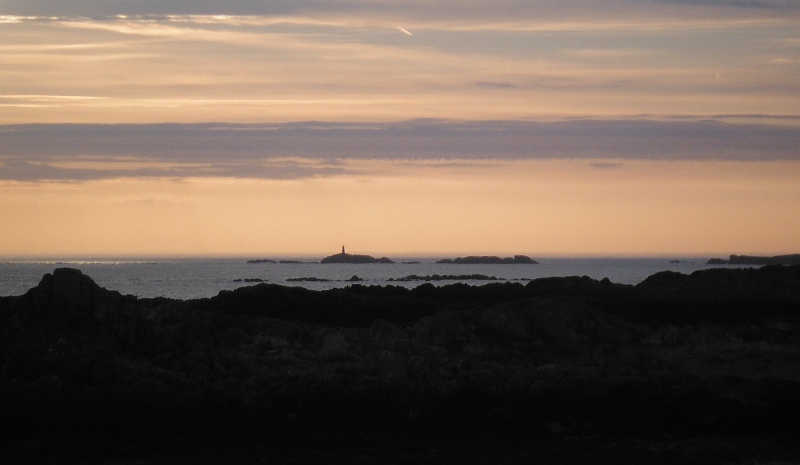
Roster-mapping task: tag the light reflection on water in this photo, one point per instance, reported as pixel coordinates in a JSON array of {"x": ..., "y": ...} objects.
[{"x": 196, "y": 278}]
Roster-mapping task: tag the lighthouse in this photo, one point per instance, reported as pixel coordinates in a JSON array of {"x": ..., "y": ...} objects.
[{"x": 342, "y": 250}]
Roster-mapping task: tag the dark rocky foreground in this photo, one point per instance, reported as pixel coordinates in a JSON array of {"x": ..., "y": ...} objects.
[{"x": 702, "y": 368}]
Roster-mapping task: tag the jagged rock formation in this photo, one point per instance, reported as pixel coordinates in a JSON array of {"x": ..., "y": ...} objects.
[
  {"x": 474, "y": 374},
  {"x": 490, "y": 260}
]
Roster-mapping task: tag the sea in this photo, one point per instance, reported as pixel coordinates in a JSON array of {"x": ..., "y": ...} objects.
[{"x": 192, "y": 278}]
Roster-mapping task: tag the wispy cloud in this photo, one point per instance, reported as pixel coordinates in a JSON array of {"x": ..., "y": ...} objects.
[
  {"x": 495, "y": 85},
  {"x": 353, "y": 61},
  {"x": 414, "y": 14},
  {"x": 747, "y": 4},
  {"x": 607, "y": 165},
  {"x": 297, "y": 150}
]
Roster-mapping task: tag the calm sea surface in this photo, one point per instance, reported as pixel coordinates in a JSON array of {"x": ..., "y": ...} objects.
[{"x": 195, "y": 278}]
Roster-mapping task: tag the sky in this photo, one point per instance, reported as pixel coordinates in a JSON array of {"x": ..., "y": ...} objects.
[{"x": 406, "y": 128}]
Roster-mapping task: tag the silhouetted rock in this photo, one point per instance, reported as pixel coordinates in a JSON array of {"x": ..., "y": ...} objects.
[
  {"x": 490, "y": 260},
  {"x": 793, "y": 259},
  {"x": 353, "y": 258},
  {"x": 355, "y": 278},
  {"x": 261, "y": 260},
  {"x": 447, "y": 277},
  {"x": 703, "y": 364},
  {"x": 755, "y": 260}
]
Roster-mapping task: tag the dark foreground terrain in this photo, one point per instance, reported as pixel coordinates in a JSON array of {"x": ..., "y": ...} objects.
[{"x": 702, "y": 368}]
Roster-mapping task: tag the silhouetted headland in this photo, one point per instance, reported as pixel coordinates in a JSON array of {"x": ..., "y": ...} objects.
[
  {"x": 490, "y": 260},
  {"x": 698, "y": 368},
  {"x": 793, "y": 259}
]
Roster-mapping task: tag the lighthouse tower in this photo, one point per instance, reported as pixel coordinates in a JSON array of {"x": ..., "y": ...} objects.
[{"x": 342, "y": 250}]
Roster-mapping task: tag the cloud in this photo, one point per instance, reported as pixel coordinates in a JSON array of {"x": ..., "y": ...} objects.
[
  {"x": 606, "y": 165},
  {"x": 748, "y": 4},
  {"x": 16, "y": 170},
  {"x": 465, "y": 12},
  {"x": 495, "y": 85},
  {"x": 313, "y": 149}
]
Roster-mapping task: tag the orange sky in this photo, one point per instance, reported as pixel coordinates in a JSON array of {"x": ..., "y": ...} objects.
[{"x": 535, "y": 207}]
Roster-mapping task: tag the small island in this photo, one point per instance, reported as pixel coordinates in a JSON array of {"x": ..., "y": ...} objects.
[
  {"x": 490, "y": 260},
  {"x": 261, "y": 260},
  {"x": 793, "y": 259},
  {"x": 353, "y": 258},
  {"x": 313, "y": 279}
]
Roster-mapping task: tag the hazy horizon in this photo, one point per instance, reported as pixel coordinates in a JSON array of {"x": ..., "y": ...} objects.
[{"x": 314, "y": 258}]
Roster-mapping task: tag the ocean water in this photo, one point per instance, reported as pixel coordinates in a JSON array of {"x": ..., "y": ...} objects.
[{"x": 197, "y": 278}]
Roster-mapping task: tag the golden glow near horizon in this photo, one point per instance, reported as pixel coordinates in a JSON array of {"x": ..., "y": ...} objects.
[
  {"x": 684, "y": 187},
  {"x": 574, "y": 207}
]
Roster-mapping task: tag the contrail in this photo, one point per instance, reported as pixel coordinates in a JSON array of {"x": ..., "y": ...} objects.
[{"x": 404, "y": 31}]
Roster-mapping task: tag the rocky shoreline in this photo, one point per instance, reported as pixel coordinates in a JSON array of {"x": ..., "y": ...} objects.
[{"x": 700, "y": 368}]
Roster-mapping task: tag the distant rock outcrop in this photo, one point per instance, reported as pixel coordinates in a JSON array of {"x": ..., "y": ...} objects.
[
  {"x": 793, "y": 259},
  {"x": 447, "y": 277},
  {"x": 354, "y": 258},
  {"x": 490, "y": 260}
]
